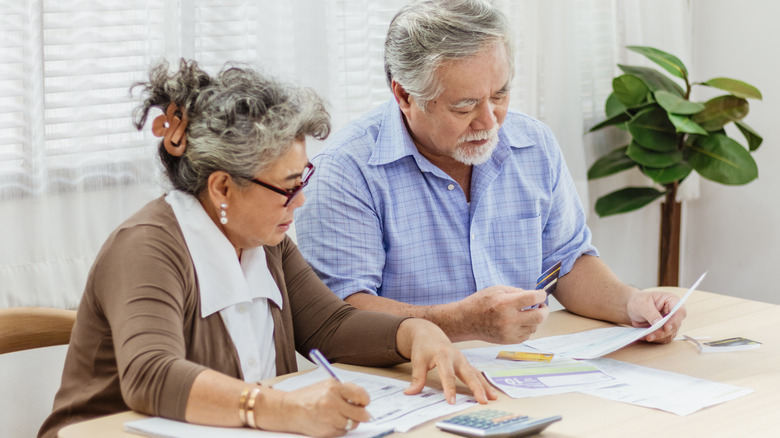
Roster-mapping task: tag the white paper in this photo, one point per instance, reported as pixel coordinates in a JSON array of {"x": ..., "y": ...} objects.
[
  {"x": 596, "y": 343},
  {"x": 165, "y": 428},
  {"x": 671, "y": 392},
  {"x": 392, "y": 409},
  {"x": 389, "y": 405}
]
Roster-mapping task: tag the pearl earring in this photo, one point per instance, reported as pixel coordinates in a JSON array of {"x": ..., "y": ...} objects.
[{"x": 223, "y": 214}]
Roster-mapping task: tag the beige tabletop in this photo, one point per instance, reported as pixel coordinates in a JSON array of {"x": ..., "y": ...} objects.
[{"x": 713, "y": 315}]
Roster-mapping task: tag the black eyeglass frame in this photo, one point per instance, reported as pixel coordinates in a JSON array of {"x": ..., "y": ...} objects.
[{"x": 308, "y": 171}]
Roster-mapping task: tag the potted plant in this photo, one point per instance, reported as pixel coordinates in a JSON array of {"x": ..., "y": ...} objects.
[{"x": 670, "y": 137}]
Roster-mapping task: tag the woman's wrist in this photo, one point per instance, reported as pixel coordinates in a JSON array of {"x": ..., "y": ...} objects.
[
  {"x": 247, "y": 405},
  {"x": 268, "y": 411}
]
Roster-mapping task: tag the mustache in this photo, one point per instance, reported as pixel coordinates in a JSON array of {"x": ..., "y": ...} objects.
[{"x": 484, "y": 134}]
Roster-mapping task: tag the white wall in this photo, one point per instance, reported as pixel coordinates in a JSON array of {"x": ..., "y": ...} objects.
[
  {"x": 733, "y": 231},
  {"x": 30, "y": 381}
]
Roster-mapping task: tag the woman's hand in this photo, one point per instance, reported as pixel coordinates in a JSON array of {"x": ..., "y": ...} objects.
[
  {"x": 328, "y": 408},
  {"x": 426, "y": 345}
]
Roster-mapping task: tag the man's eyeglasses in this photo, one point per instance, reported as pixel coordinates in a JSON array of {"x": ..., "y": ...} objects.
[{"x": 308, "y": 171}]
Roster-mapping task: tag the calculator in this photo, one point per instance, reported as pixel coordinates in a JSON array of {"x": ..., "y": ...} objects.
[{"x": 495, "y": 424}]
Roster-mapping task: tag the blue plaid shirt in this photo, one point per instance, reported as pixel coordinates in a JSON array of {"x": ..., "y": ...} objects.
[{"x": 380, "y": 218}]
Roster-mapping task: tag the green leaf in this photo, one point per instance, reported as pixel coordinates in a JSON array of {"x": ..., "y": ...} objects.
[
  {"x": 650, "y": 158},
  {"x": 652, "y": 129},
  {"x": 667, "y": 175},
  {"x": 669, "y": 62},
  {"x": 630, "y": 90},
  {"x": 721, "y": 110},
  {"x": 673, "y": 103},
  {"x": 614, "y": 162},
  {"x": 735, "y": 87},
  {"x": 615, "y": 120},
  {"x": 723, "y": 160},
  {"x": 654, "y": 79},
  {"x": 613, "y": 106},
  {"x": 754, "y": 140},
  {"x": 686, "y": 125},
  {"x": 625, "y": 200}
]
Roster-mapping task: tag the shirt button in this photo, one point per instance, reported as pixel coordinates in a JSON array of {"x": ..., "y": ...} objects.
[
  {"x": 451, "y": 187},
  {"x": 473, "y": 236},
  {"x": 242, "y": 309},
  {"x": 252, "y": 362}
]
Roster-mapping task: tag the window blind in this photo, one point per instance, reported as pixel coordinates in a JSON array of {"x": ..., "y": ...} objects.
[{"x": 66, "y": 70}]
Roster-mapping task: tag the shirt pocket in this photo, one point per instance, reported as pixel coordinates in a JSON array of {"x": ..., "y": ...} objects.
[{"x": 516, "y": 251}]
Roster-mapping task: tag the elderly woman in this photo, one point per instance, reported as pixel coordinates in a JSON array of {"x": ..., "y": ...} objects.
[{"x": 201, "y": 294}]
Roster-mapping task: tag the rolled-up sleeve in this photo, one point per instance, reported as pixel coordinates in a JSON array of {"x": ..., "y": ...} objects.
[
  {"x": 338, "y": 229},
  {"x": 565, "y": 236}
]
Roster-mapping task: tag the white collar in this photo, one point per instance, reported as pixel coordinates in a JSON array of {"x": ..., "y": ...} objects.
[{"x": 222, "y": 279}]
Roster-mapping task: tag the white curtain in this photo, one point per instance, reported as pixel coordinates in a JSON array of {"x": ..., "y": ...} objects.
[
  {"x": 72, "y": 166},
  {"x": 628, "y": 243}
]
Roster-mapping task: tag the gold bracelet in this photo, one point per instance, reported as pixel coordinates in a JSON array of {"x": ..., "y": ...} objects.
[
  {"x": 242, "y": 405},
  {"x": 251, "y": 402}
]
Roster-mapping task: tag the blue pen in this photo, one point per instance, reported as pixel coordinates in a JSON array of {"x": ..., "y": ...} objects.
[{"x": 320, "y": 360}]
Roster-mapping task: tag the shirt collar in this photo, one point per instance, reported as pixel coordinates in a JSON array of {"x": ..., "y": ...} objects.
[
  {"x": 223, "y": 280},
  {"x": 389, "y": 149},
  {"x": 393, "y": 141}
]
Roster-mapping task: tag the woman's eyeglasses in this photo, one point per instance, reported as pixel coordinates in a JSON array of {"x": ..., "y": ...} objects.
[{"x": 308, "y": 171}]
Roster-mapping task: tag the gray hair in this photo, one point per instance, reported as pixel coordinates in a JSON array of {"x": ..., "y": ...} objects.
[
  {"x": 425, "y": 34},
  {"x": 239, "y": 120}
]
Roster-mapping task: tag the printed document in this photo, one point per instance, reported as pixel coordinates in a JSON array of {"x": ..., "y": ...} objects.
[
  {"x": 389, "y": 405},
  {"x": 596, "y": 343},
  {"x": 520, "y": 379},
  {"x": 671, "y": 392},
  {"x": 605, "y": 378},
  {"x": 392, "y": 409}
]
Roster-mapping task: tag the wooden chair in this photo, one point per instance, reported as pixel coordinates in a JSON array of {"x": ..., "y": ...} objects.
[
  {"x": 24, "y": 328},
  {"x": 30, "y": 378}
]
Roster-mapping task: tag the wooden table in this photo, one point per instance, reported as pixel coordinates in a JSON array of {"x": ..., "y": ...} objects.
[{"x": 709, "y": 314}]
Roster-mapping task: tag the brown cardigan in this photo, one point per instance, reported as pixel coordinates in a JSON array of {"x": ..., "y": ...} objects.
[{"x": 139, "y": 340}]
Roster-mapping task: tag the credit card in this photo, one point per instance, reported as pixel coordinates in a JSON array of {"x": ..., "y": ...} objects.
[{"x": 548, "y": 281}]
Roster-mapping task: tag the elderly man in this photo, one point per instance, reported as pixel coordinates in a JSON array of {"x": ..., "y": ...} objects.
[{"x": 444, "y": 204}]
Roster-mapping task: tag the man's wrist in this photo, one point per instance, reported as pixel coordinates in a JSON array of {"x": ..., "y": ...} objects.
[{"x": 449, "y": 317}]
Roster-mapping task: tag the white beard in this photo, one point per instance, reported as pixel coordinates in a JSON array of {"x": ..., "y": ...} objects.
[{"x": 473, "y": 155}]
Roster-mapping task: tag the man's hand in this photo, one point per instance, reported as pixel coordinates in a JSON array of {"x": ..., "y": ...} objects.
[
  {"x": 428, "y": 347},
  {"x": 495, "y": 314},
  {"x": 645, "y": 308}
]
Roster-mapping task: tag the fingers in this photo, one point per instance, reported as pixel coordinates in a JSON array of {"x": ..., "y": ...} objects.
[
  {"x": 358, "y": 414},
  {"x": 650, "y": 314},
  {"x": 451, "y": 366},
  {"x": 525, "y": 299},
  {"x": 514, "y": 316},
  {"x": 448, "y": 381},
  {"x": 419, "y": 376},
  {"x": 669, "y": 330},
  {"x": 354, "y": 394},
  {"x": 477, "y": 383},
  {"x": 348, "y": 408},
  {"x": 662, "y": 305}
]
